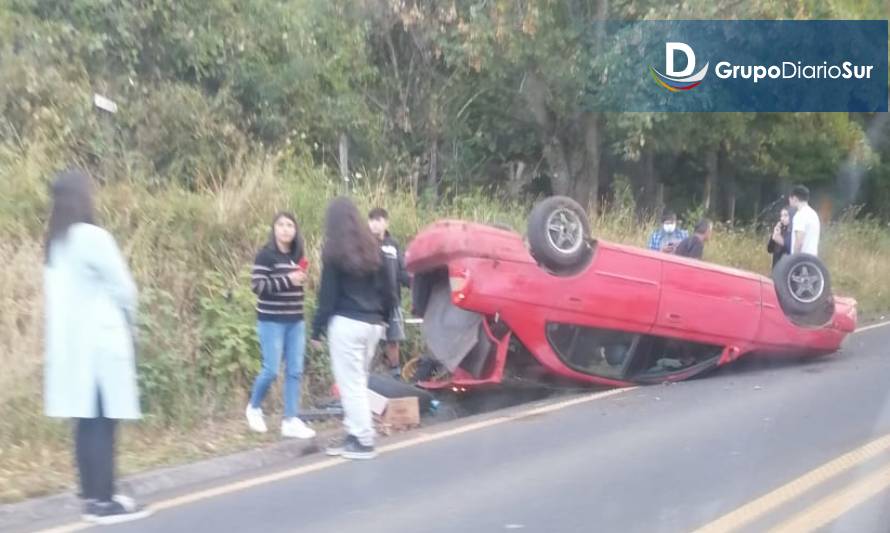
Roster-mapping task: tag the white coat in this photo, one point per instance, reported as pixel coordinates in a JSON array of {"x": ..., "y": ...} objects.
[{"x": 90, "y": 308}]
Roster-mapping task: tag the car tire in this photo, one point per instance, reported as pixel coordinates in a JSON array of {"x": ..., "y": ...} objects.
[
  {"x": 559, "y": 234},
  {"x": 803, "y": 285}
]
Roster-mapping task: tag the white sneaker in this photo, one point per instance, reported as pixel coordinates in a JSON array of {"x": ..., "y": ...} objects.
[
  {"x": 296, "y": 429},
  {"x": 255, "y": 419}
]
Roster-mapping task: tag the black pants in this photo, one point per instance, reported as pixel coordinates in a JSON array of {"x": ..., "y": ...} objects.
[{"x": 94, "y": 450}]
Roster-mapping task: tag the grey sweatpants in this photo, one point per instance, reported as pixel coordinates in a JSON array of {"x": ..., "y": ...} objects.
[{"x": 352, "y": 345}]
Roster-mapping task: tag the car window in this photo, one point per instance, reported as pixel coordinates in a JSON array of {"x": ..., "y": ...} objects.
[{"x": 598, "y": 352}]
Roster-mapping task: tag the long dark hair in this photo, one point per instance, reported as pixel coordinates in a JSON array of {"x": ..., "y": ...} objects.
[
  {"x": 296, "y": 246},
  {"x": 348, "y": 242},
  {"x": 72, "y": 196}
]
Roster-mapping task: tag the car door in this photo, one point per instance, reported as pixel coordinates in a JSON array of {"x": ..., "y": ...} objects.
[
  {"x": 620, "y": 290},
  {"x": 707, "y": 303}
]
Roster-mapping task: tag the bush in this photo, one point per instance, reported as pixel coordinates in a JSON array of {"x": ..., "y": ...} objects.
[
  {"x": 228, "y": 355},
  {"x": 184, "y": 136}
]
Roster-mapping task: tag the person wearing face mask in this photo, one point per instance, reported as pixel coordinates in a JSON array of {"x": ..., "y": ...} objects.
[
  {"x": 668, "y": 236},
  {"x": 780, "y": 240}
]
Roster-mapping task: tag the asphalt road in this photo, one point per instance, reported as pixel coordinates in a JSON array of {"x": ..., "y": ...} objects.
[{"x": 670, "y": 458}]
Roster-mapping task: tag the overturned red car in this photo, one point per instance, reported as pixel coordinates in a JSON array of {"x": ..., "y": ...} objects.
[{"x": 562, "y": 304}]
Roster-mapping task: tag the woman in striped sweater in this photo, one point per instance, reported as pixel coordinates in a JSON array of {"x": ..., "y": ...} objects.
[{"x": 279, "y": 272}]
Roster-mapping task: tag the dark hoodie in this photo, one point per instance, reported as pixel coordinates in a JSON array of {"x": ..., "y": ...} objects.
[
  {"x": 777, "y": 250},
  {"x": 367, "y": 298},
  {"x": 278, "y": 300},
  {"x": 392, "y": 252},
  {"x": 780, "y": 251}
]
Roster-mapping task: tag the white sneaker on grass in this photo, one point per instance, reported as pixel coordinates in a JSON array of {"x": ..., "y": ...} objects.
[{"x": 255, "y": 419}]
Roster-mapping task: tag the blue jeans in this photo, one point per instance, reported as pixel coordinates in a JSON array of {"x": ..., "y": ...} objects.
[{"x": 277, "y": 339}]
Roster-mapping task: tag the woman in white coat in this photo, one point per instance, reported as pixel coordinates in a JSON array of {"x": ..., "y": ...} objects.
[{"x": 90, "y": 369}]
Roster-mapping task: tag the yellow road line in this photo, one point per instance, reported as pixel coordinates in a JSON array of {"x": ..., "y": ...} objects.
[
  {"x": 328, "y": 463},
  {"x": 833, "y": 506},
  {"x": 754, "y": 510}
]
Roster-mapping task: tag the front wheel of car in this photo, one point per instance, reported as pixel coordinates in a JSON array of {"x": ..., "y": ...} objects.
[
  {"x": 803, "y": 284},
  {"x": 559, "y": 234}
]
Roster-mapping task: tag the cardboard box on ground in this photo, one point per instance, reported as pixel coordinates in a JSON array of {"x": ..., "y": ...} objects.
[{"x": 394, "y": 413}]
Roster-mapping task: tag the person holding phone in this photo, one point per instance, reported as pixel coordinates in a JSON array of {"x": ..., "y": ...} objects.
[
  {"x": 780, "y": 240},
  {"x": 279, "y": 272},
  {"x": 668, "y": 236}
]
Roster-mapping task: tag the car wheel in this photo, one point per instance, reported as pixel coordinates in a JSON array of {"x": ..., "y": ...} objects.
[
  {"x": 803, "y": 284},
  {"x": 559, "y": 234}
]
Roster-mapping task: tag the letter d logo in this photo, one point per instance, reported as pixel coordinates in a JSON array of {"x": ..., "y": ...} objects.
[
  {"x": 669, "y": 51},
  {"x": 674, "y": 80}
]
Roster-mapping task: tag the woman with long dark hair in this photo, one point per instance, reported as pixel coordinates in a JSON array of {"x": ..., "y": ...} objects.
[
  {"x": 779, "y": 244},
  {"x": 357, "y": 293},
  {"x": 279, "y": 272},
  {"x": 90, "y": 368}
]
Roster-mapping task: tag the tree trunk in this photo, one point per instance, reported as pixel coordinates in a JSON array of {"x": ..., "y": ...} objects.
[
  {"x": 646, "y": 185},
  {"x": 607, "y": 179},
  {"x": 593, "y": 122},
  {"x": 710, "y": 179},
  {"x": 659, "y": 199},
  {"x": 432, "y": 180},
  {"x": 535, "y": 92},
  {"x": 758, "y": 201},
  {"x": 848, "y": 182},
  {"x": 730, "y": 198},
  {"x": 587, "y": 177},
  {"x": 572, "y": 148},
  {"x": 344, "y": 157},
  {"x": 517, "y": 178}
]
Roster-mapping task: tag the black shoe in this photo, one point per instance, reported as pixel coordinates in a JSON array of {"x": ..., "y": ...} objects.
[
  {"x": 119, "y": 510},
  {"x": 356, "y": 450}
]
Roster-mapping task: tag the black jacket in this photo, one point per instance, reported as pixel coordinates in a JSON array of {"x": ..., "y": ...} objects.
[
  {"x": 392, "y": 252},
  {"x": 691, "y": 246},
  {"x": 780, "y": 251},
  {"x": 369, "y": 298}
]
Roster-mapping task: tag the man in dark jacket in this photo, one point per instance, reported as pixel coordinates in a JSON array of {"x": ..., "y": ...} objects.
[
  {"x": 694, "y": 245},
  {"x": 378, "y": 221}
]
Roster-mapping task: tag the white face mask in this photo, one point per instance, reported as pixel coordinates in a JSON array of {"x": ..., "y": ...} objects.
[{"x": 669, "y": 227}]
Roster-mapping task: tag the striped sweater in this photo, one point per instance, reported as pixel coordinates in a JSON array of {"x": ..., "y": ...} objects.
[{"x": 278, "y": 299}]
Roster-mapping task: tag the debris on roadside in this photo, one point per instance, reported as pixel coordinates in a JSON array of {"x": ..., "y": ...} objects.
[{"x": 392, "y": 414}]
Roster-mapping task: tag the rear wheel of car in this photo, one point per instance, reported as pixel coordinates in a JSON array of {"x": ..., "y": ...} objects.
[
  {"x": 803, "y": 285},
  {"x": 559, "y": 234}
]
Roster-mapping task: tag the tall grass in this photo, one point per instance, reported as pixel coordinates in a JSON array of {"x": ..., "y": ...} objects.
[{"x": 190, "y": 253}]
